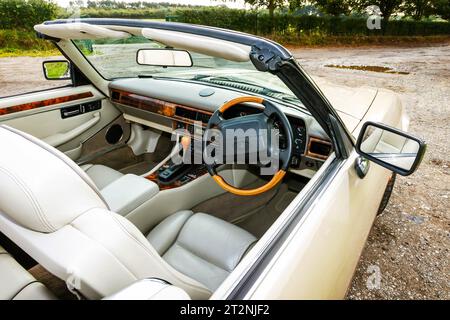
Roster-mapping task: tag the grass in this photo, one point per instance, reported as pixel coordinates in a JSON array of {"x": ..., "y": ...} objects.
[
  {"x": 9, "y": 52},
  {"x": 14, "y": 43},
  {"x": 318, "y": 39},
  {"x": 56, "y": 70}
]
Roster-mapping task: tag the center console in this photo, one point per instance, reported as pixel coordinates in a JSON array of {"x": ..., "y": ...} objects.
[
  {"x": 171, "y": 175},
  {"x": 128, "y": 192}
]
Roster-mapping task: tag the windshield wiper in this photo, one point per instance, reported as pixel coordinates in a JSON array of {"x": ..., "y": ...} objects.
[{"x": 232, "y": 80}]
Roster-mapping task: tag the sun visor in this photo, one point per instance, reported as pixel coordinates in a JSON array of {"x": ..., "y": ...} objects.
[
  {"x": 200, "y": 44},
  {"x": 79, "y": 31}
]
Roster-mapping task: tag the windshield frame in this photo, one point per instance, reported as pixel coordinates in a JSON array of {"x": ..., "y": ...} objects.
[
  {"x": 162, "y": 75},
  {"x": 266, "y": 55},
  {"x": 194, "y": 56}
]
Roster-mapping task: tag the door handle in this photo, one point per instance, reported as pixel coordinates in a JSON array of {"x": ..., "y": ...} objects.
[
  {"x": 362, "y": 166},
  {"x": 64, "y": 137}
]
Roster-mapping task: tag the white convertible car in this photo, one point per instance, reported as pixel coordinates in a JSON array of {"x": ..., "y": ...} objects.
[{"x": 188, "y": 162}]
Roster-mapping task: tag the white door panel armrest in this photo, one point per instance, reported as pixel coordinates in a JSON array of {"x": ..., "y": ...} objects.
[{"x": 64, "y": 137}]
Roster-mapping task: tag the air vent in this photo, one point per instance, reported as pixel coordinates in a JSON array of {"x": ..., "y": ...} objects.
[
  {"x": 115, "y": 95},
  {"x": 185, "y": 113},
  {"x": 319, "y": 148},
  {"x": 203, "y": 117}
]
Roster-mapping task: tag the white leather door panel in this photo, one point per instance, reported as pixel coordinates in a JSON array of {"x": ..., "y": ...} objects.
[
  {"x": 39, "y": 114},
  {"x": 61, "y": 138}
]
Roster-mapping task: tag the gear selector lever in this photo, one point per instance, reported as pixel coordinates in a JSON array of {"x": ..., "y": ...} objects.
[{"x": 175, "y": 171}]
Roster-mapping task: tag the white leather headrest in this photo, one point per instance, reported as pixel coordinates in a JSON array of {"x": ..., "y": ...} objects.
[{"x": 40, "y": 187}]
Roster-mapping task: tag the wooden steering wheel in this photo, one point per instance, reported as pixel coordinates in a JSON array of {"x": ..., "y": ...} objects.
[{"x": 264, "y": 120}]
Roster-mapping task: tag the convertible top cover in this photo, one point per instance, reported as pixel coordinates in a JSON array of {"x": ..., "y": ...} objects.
[{"x": 79, "y": 31}]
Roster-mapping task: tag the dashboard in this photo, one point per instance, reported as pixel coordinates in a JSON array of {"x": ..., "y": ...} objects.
[{"x": 311, "y": 146}]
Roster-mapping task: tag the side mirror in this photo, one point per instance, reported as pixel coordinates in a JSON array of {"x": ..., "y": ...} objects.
[
  {"x": 390, "y": 148},
  {"x": 57, "y": 70},
  {"x": 164, "y": 57}
]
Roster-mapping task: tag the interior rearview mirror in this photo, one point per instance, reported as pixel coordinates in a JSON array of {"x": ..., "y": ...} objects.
[
  {"x": 164, "y": 57},
  {"x": 56, "y": 70},
  {"x": 391, "y": 148}
]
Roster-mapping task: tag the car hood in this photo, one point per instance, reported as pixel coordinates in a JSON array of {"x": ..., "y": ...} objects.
[{"x": 350, "y": 103}]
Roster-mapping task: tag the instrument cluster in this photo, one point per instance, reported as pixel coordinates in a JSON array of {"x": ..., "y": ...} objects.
[{"x": 297, "y": 124}]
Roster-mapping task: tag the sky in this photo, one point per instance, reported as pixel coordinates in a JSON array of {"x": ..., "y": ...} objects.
[{"x": 231, "y": 4}]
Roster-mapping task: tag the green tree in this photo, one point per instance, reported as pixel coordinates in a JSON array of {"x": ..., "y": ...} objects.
[
  {"x": 24, "y": 14},
  {"x": 77, "y": 3},
  {"x": 334, "y": 7},
  {"x": 442, "y": 8},
  {"x": 271, "y": 5},
  {"x": 331, "y": 7},
  {"x": 417, "y": 9},
  {"x": 91, "y": 4},
  {"x": 387, "y": 7}
]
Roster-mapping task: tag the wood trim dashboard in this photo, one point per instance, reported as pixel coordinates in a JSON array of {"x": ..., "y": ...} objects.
[
  {"x": 45, "y": 103},
  {"x": 164, "y": 108},
  {"x": 315, "y": 148}
]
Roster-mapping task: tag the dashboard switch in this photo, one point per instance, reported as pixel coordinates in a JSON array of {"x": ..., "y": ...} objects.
[
  {"x": 310, "y": 164},
  {"x": 295, "y": 162}
]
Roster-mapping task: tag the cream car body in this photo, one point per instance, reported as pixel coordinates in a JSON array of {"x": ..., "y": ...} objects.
[{"x": 312, "y": 249}]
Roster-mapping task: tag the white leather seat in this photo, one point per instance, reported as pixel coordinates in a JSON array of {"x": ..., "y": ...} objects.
[
  {"x": 201, "y": 246},
  {"x": 54, "y": 212},
  {"x": 17, "y": 284}
]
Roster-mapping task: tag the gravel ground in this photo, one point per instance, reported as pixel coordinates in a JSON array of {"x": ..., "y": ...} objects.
[
  {"x": 410, "y": 241},
  {"x": 24, "y": 74}
]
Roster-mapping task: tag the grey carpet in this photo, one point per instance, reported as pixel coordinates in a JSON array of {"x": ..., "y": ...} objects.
[
  {"x": 254, "y": 214},
  {"x": 259, "y": 221},
  {"x": 230, "y": 207}
]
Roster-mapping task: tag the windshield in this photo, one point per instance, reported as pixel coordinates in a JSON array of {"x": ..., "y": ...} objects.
[{"x": 116, "y": 58}]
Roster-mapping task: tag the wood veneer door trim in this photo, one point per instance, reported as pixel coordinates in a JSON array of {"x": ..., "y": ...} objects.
[{"x": 45, "y": 103}]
